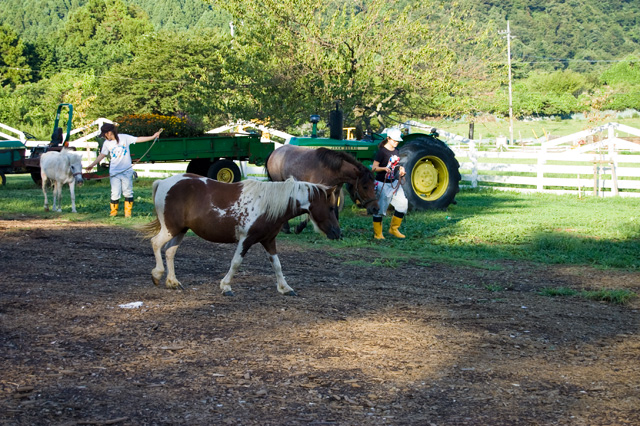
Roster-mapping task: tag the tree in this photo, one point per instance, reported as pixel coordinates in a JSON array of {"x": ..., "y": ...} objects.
[
  {"x": 172, "y": 73},
  {"x": 99, "y": 35},
  {"x": 384, "y": 62},
  {"x": 14, "y": 68}
]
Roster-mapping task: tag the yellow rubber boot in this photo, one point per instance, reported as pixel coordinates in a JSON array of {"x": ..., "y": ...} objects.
[
  {"x": 128, "y": 207},
  {"x": 114, "y": 209},
  {"x": 395, "y": 224},
  {"x": 377, "y": 231}
]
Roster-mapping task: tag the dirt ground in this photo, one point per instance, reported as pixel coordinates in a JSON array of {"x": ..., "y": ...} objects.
[{"x": 359, "y": 345}]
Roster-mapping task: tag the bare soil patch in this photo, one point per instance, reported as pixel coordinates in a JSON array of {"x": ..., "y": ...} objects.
[{"x": 360, "y": 345}]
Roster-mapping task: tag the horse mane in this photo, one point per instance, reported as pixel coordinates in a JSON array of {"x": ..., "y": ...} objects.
[
  {"x": 274, "y": 198},
  {"x": 333, "y": 161}
]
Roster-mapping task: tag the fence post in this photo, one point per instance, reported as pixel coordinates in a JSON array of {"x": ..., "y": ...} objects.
[
  {"x": 542, "y": 159},
  {"x": 474, "y": 163},
  {"x": 613, "y": 160}
]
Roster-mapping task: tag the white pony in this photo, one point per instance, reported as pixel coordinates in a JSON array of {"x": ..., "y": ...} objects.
[{"x": 60, "y": 168}]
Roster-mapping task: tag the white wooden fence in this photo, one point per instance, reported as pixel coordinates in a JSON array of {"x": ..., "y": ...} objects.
[{"x": 594, "y": 161}]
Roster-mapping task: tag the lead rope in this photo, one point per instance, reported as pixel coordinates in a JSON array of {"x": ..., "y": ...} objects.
[{"x": 141, "y": 157}]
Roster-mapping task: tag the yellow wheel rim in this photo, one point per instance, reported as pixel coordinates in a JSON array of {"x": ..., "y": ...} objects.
[
  {"x": 225, "y": 175},
  {"x": 430, "y": 178}
]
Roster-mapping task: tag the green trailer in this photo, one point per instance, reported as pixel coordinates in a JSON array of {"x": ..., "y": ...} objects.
[
  {"x": 12, "y": 156},
  {"x": 210, "y": 155}
]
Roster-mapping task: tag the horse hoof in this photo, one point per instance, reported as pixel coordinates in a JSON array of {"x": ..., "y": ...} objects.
[
  {"x": 291, "y": 293},
  {"x": 228, "y": 293}
]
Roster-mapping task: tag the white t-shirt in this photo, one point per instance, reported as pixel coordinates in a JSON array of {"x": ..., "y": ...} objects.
[{"x": 119, "y": 153}]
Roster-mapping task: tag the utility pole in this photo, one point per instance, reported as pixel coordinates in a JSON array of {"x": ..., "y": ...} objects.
[{"x": 508, "y": 37}]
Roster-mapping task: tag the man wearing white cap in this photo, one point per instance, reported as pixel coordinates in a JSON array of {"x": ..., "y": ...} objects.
[{"x": 388, "y": 188}]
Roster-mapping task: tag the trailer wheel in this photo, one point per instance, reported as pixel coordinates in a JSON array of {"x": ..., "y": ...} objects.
[
  {"x": 199, "y": 166},
  {"x": 224, "y": 171},
  {"x": 36, "y": 176},
  {"x": 433, "y": 175},
  {"x": 3, "y": 178}
]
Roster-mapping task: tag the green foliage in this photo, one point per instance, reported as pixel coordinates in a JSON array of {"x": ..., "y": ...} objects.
[
  {"x": 148, "y": 124},
  {"x": 378, "y": 58},
  {"x": 31, "y": 107},
  {"x": 172, "y": 74},
  {"x": 386, "y": 61},
  {"x": 624, "y": 72},
  {"x": 100, "y": 35},
  {"x": 13, "y": 62},
  {"x": 182, "y": 15}
]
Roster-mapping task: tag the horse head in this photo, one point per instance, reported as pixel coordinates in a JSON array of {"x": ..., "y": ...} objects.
[
  {"x": 363, "y": 192},
  {"x": 75, "y": 165},
  {"x": 322, "y": 206}
]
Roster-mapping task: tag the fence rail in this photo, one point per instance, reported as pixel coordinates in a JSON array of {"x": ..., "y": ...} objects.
[{"x": 594, "y": 161}]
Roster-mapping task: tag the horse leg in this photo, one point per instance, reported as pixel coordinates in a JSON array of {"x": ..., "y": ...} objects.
[
  {"x": 157, "y": 243},
  {"x": 169, "y": 254},
  {"x": 301, "y": 226},
  {"x": 283, "y": 287},
  {"x": 72, "y": 190},
  {"x": 286, "y": 228},
  {"x": 44, "y": 191},
  {"x": 57, "y": 197},
  {"x": 238, "y": 256}
]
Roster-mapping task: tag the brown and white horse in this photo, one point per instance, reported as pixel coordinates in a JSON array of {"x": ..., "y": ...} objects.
[
  {"x": 326, "y": 167},
  {"x": 60, "y": 167},
  {"x": 246, "y": 213}
]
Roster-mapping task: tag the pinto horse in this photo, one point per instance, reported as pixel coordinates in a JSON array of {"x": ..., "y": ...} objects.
[
  {"x": 327, "y": 167},
  {"x": 246, "y": 213},
  {"x": 60, "y": 167}
]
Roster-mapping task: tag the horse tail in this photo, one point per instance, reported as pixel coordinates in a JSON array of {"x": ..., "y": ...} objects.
[{"x": 151, "y": 229}]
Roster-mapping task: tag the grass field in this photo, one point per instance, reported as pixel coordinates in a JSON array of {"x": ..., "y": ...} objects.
[{"x": 484, "y": 228}]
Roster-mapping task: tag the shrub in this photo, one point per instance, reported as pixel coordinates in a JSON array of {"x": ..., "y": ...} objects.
[{"x": 148, "y": 124}]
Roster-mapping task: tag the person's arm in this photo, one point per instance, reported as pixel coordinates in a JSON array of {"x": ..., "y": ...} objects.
[
  {"x": 149, "y": 138},
  {"x": 96, "y": 161},
  {"x": 375, "y": 167}
]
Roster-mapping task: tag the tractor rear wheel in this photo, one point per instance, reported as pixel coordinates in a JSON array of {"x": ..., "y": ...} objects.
[
  {"x": 432, "y": 173},
  {"x": 3, "y": 178},
  {"x": 224, "y": 171}
]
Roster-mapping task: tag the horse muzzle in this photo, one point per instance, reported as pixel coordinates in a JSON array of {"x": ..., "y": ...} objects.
[{"x": 334, "y": 233}]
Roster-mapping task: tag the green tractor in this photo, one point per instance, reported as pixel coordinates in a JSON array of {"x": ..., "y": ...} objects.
[{"x": 433, "y": 176}]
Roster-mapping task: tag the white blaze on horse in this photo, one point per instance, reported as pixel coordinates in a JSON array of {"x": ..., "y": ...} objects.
[
  {"x": 245, "y": 213},
  {"x": 60, "y": 167}
]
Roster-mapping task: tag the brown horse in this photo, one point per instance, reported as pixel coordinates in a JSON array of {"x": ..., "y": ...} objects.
[
  {"x": 327, "y": 167},
  {"x": 246, "y": 213}
]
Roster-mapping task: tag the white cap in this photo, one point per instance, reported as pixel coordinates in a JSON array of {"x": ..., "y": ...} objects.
[{"x": 395, "y": 134}]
